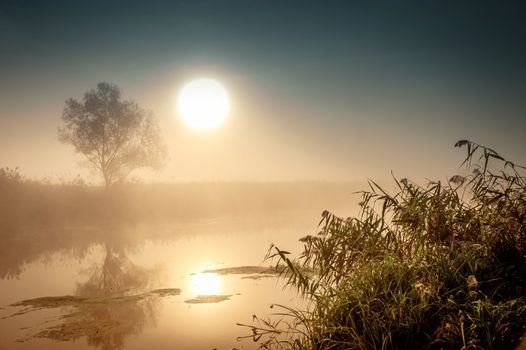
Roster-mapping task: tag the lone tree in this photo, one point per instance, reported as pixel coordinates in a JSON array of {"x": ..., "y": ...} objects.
[{"x": 114, "y": 135}]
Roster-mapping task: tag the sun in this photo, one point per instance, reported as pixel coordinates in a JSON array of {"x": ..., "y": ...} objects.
[
  {"x": 203, "y": 103},
  {"x": 206, "y": 284}
]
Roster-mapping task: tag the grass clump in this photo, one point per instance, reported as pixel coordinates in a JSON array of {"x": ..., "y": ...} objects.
[{"x": 441, "y": 266}]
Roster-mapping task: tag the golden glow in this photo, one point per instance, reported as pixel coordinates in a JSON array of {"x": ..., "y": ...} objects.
[
  {"x": 203, "y": 103},
  {"x": 206, "y": 284}
]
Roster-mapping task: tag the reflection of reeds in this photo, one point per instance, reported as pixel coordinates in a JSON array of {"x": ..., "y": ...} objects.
[{"x": 441, "y": 266}]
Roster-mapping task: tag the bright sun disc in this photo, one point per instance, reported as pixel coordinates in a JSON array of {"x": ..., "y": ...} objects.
[
  {"x": 206, "y": 284},
  {"x": 203, "y": 103}
]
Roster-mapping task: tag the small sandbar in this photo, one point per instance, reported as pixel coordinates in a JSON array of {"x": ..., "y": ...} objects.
[
  {"x": 259, "y": 276},
  {"x": 258, "y": 272},
  {"x": 248, "y": 270},
  {"x": 30, "y": 305},
  {"x": 50, "y": 302},
  {"x": 96, "y": 318},
  {"x": 165, "y": 292},
  {"x": 208, "y": 299}
]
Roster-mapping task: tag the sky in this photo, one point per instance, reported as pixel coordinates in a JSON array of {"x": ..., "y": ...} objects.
[{"x": 320, "y": 90}]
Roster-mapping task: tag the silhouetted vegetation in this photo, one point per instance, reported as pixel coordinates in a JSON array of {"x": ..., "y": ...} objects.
[
  {"x": 115, "y": 136},
  {"x": 436, "y": 267}
]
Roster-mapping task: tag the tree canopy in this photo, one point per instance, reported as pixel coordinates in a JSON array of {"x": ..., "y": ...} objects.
[{"x": 116, "y": 136}]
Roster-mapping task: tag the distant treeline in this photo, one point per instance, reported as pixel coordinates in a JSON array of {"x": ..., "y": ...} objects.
[
  {"x": 39, "y": 217},
  {"x": 25, "y": 202}
]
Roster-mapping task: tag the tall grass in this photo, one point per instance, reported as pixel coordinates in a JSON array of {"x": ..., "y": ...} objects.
[{"x": 441, "y": 266}]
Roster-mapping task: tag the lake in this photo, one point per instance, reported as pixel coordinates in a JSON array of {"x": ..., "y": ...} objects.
[{"x": 149, "y": 285}]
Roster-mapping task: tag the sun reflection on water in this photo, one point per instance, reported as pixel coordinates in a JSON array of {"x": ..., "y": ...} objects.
[{"x": 206, "y": 284}]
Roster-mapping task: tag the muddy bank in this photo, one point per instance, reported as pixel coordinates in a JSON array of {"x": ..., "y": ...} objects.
[
  {"x": 209, "y": 299},
  {"x": 100, "y": 320}
]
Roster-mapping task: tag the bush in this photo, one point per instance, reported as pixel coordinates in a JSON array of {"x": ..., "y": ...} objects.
[{"x": 439, "y": 266}]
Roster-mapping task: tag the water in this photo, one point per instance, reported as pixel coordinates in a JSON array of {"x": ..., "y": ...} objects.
[{"x": 118, "y": 271}]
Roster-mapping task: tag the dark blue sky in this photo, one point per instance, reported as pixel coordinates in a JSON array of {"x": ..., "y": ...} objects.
[{"x": 321, "y": 89}]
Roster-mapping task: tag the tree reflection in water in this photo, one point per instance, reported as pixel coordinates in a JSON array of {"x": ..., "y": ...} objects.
[
  {"x": 109, "y": 307},
  {"x": 117, "y": 276}
]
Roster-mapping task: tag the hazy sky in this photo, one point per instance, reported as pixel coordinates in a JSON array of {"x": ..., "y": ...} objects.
[{"x": 321, "y": 90}]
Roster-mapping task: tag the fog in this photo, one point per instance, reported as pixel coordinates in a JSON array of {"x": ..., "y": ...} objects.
[
  {"x": 123, "y": 226},
  {"x": 104, "y": 266}
]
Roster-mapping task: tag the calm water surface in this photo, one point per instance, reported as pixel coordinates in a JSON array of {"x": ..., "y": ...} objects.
[{"x": 142, "y": 287}]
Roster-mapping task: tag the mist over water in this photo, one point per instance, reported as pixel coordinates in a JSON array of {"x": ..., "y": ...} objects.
[
  {"x": 151, "y": 153},
  {"x": 144, "y": 265}
]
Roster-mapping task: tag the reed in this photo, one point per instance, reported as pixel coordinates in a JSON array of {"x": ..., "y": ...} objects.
[{"x": 428, "y": 267}]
